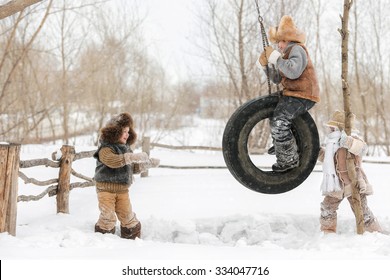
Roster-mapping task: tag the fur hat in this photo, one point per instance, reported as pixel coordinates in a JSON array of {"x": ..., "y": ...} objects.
[
  {"x": 338, "y": 120},
  {"x": 112, "y": 131},
  {"x": 286, "y": 31}
]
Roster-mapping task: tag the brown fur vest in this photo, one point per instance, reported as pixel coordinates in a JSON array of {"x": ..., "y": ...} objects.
[{"x": 306, "y": 86}]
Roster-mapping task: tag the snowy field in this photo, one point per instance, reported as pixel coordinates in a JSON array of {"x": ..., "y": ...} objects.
[{"x": 199, "y": 216}]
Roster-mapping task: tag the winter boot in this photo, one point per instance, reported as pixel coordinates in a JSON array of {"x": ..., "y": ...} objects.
[
  {"x": 374, "y": 226},
  {"x": 328, "y": 225},
  {"x": 131, "y": 233},
  {"x": 286, "y": 156},
  {"x": 99, "y": 229},
  {"x": 271, "y": 151}
]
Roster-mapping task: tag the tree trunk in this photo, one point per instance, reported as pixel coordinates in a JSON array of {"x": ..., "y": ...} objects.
[
  {"x": 356, "y": 203},
  {"x": 357, "y": 78}
]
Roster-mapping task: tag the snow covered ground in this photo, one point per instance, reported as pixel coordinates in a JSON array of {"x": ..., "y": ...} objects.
[{"x": 195, "y": 216}]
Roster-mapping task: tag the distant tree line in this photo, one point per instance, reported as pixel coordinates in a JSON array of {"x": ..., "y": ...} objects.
[{"x": 67, "y": 66}]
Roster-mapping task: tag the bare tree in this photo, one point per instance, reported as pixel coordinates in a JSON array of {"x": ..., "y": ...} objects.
[
  {"x": 116, "y": 73},
  {"x": 16, "y": 69},
  {"x": 235, "y": 45},
  {"x": 370, "y": 70},
  {"x": 232, "y": 45},
  {"x": 344, "y": 32},
  {"x": 378, "y": 34},
  {"x": 319, "y": 56},
  {"x": 15, "y": 6},
  {"x": 357, "y": 72},
  {"x": 82, "y": 80}
]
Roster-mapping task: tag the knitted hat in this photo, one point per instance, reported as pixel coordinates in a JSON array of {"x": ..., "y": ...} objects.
[
  {"x": 112, "y": 131},
  {"x": 338, "y": 120},
  {"x": 286, "y": 31}
]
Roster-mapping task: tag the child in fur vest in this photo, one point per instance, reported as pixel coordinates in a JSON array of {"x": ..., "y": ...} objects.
[
  {"x": 295, "y": 71},
  {"x": 115, "y": 164},
  {"x": 336, "y": 184}
]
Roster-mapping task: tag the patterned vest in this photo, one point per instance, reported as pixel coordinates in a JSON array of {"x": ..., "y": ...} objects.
[
  {"x": 103, "y": 173},
  {"x": 306, "y": 86}
]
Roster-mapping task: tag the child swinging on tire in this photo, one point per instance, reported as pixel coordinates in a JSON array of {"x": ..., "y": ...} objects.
[{"x": 295, "y": 71}]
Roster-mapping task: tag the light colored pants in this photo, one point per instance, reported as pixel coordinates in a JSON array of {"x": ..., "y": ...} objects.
[
  {"x": 328, "y": 218},
  {"x": 113, "y": 205}
]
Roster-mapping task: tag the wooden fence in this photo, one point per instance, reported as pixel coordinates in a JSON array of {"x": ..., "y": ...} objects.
[
  {"x": 11, "y": 169},
  {"x": 11, "y": 166},
  {"x": 60, "y": 186}
]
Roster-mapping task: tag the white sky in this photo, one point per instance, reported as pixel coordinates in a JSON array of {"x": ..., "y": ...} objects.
[{"x": 168, "y": 29}]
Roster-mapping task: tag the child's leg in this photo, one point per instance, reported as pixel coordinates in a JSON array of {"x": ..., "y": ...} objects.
[
  {"x": 107, "y": 218},
  {"x": 286, "y": 110},
  {"x": 328, "y": 217},
  {"x": 130, "y": 226},
  {"x": 370, "y": 222},
  {"x": 286, "y": 149}
]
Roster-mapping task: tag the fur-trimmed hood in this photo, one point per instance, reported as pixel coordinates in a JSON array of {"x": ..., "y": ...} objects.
[
  {"x": 112, "y": 131},
  {"x": 286, "y": 31}
]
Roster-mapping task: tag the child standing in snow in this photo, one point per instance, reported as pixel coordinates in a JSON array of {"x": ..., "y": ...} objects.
[
  {"x": 336, "y": 184},
  {"x": 115, "y": 162},
  {"x": 295, "y": 71}
]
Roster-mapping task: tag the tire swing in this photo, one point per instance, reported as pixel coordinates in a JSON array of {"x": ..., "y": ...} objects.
[
  {"x": 237, "y": 132},
  {"x": 239, "y": 163}
]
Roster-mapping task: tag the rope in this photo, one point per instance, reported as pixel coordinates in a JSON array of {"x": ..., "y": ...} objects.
[{"x": 265, "y": 44}]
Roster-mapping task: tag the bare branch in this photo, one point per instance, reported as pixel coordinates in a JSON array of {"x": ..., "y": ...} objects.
[
  {"x": 15, "y": 6},
  {"x": 81, "y": 176},
  {"x": 52, "y": 190},
  {"x": 37, "y": 162},
  {"x": 34, "y": 181}
]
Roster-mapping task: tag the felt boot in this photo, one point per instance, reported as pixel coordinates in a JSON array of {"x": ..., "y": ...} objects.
[
  {"x": 374, "y": 227},
  {"x": 271, "y": 150},
  {"x": 328, "y": 225},
  {"x": 131, "y": 233},
  {"x": 99, "y": 229},
  {"x": 286, "y": 156}
]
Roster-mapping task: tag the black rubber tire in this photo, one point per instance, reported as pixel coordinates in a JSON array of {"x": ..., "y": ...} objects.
[{"x": 235, "y": 148}]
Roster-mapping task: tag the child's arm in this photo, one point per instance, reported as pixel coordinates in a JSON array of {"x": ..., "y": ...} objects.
[
  {"x": 354, "y": 145},
  {"x": 113, "y": 160},
  {"x": 144, "y": 166},
  {"x": 293, "y": 66},
  {"x": 136, "y": 157},
  {"x": 273, "y": 73}
]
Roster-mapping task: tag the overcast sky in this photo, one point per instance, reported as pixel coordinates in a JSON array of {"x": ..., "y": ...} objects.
[{"x": 169, "y": 28}]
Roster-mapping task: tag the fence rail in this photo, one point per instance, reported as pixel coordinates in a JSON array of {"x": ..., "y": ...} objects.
[
  {"x": 52, "y": 190},
  {"x": 56, "y": 162},
  {"x": 172, "y": 147},
  {"x": 11, "y": 166}
]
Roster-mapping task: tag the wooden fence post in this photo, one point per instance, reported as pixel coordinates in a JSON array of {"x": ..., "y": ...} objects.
[
  {"x": 68, "y": 154},
  {"x": 9, "y": 169},
  {"x": 146, "y": 149}
]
